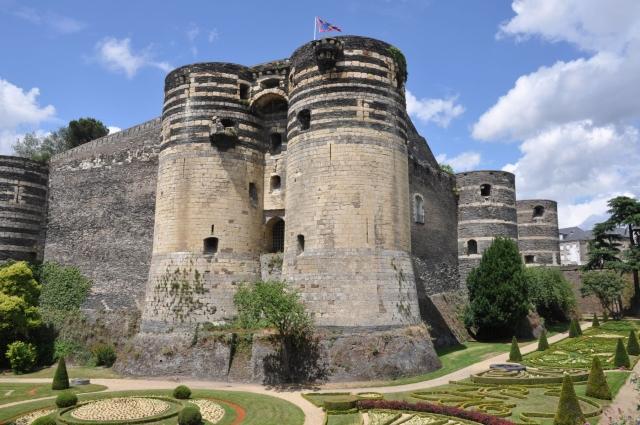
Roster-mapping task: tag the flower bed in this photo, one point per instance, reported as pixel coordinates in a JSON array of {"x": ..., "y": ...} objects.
[
  {"x": 531, "y": 376},
  {"x": 120, "y": 410},
  {"x": 210, "y": 410},
  {"x": 32, "y": 416}
]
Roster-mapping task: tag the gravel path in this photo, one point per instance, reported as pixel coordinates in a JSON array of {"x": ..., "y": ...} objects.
[
  {"x": 313, "y": 414},
  {"x": 626, "y": 403}
]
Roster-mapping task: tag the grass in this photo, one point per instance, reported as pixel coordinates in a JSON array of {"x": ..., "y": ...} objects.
[
  {"x": 74, "y": 372},
  {"x": 348, "y": 419},
  {"x": 259, "y": 409},
  {"x": 10, "y": 392}
]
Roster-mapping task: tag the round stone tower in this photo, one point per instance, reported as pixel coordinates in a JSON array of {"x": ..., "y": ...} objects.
[
  {"x": 347, "y": 240},
  {"x": 486, "y": 209},
  {"x": 23, "y": 208},
  {"x": 538, "y": 232},
  {"x": 208, "y": 220}
]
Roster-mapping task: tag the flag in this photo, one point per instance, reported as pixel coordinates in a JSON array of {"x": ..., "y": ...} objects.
[{"x": 324, "y": 26}]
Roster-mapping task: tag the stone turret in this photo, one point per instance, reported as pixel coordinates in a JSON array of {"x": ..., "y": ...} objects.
[{"x": 538, "y": 232}]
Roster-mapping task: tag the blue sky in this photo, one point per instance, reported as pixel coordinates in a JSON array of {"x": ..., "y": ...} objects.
[{"x": 544, "y": 88}]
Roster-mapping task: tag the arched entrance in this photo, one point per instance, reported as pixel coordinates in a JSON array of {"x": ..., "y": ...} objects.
[{"x": 275, "y": 235}]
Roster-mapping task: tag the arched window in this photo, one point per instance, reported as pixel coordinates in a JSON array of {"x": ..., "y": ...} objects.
[
  {"x": 304, "y": 118},
  {"x": 300, "y": 239},
  {"x": 276, "y": 143},
  {"x": 210, "y": 245},
  {"x": 418, "y": 209},
  {"x": 271, "y": 83},
  {"x": 485, "y": 189},
  {"x": 472, "y": 247},
  {"x": 275, "y": 183},
  {"x": 277, "y": 237},
  {"x": 538, "y": 211}
]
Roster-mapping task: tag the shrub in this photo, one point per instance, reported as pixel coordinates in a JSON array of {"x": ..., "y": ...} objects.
[
  {"x": 573, "y": 329},
  {"x": 597, "y": 383},
  {"x": 633, "y": 348},
  {"x": 543, "y": 343},
  {"x": 498, "y": 296},
  {"x": 104, "y": 355},
  {"x": 44, "y": 420},
  {"x": 63, "y": 288},
  {"x": 60, "y": 377},
  {"x": 607, "y": 286},
  {"x": 182, "y": 392},
  {"x": 514, "y": 354},
  {"x": 569, "y": 412},
  {"x": 605, "y": 316},
  {"x": 338, "y": 404},
  {"x": 16, "y": 279},
  {"x": 550, "y": 292},
  {"x": 595, "y": 323},
  {"x": 621, "y": 358},
  {"x": 190, "y": 415},
  {"x": 22, "y": 356},
  {"x": 66, "y": 399}
]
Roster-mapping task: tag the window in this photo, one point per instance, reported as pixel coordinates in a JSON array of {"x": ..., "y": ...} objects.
[
  {"x": 304, "y": 118},
  {"x": 300, "y": 244},
  {"x": 485, "y": 190},
  {"x": 275, "y": 183},
  {"x": 227, "y": 122},
  {"x": 472, "y": 247},
  {"x": 538, "y": 211},
  {"x": 271, "y": 83},
  {"x": 253, "y": 194},
  {"x": 529, "y": 259},
  {"x": 244, "y": 91},
  {"x": 277, "y": 242},
  {"x": 183, "y": 79},
  {"x": 418, "y": 209},
  {"x": 212, "y": 228},
  {"x": 210, "y": 245},
  {"x": 275, "y": 143}
]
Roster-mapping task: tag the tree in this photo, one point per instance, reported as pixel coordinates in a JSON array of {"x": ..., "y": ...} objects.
[
  {"x": 498, "y": 296},
  {"x": 22, "y": 356},
  {"x": 621, "y": 358},
  {"x": 514, "y": 353},
  {"x": 597, "y": 384},
  {"x": 573, "y": 329},
  {"x": 607, "y": 286},
  {"x": 543, "y": 343},
  {"x": 550, "y": 292},
  {"x": 633, "y": 348},
  {"x": 569, "y": 412},
  {"x": 447, "y": 169},
  {"x": 16, "y": 279},
  {"x": 604, "y": 249},
  {"x": 84, "y": 130},
  {"x": 595, "y": 323},
  {"x": 17, "y": 318},
  {"x": 41, "y": 148},
  {"x": 60, "y": 377}
]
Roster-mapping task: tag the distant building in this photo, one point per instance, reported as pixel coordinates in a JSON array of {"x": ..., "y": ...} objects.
[{"x": 574, "y": 244}]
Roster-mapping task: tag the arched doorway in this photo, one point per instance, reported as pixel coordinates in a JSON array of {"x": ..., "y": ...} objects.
[{"x": 275, "y": 235}]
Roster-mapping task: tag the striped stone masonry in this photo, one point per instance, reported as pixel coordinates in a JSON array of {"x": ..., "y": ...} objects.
[{"x": 538, "y": 232}]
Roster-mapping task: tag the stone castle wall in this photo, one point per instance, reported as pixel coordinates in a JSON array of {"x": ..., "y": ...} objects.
[
  {"x": 538, "y": 238},
  {"x": 23, "y": 208},
  {"x": 101, "y": 209}
]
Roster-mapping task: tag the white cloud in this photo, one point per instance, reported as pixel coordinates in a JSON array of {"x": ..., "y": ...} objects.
[
  {"x": 19, "y": 112},
  {"x": 56, "y": 22},
  {"x": 213, "y": 35},
  {"x": 192, "y": 32},
  {"x": 117, "y": 55},
  {"x": 580, "y": 165},
  {"x": 437, "y": 111},
  {"x": 113, "y": 129},
  {"x": 464, "y": 162}
]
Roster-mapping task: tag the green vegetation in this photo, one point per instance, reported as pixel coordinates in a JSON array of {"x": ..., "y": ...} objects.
[
  {"x": 550, "y": 293},
  {"x": 543, "y": 343},
  {"x": 190, "y": 415},
  {"x": 498, "y": 295},
  {"x": 621, "y": 358},
  {"x": 66, "y": 399},
  {"x": 104, "y": 355},
  {"x": 182, "y": 392},
  {"x": 61, "y": 377},
  {"x": 573, "y": 329},
  {"x": 10, "y": 392},
  {"x": 16, "y": 279},
  {"x": 21, "y": 356},
  {"x": 632, "y": 344},
  {"x": 607, "y": 286},
  {"x": 597, "y": 386},
  {"x": 569, "y": 411},
  {"x": 447, "y": 169},
  {"x": 595, "y": 323},
  {"x": 514, "y": 353},
  {"x": 44, "y": 420},
  {"x": 401, "y": 62}
]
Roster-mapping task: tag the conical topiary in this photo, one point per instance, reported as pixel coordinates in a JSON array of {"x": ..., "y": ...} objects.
[
  {"x": 578, "y": 327},
  {"x": 621, "y": 358},
  {"x": 573, "y": 329},
  {"x": 633, "y": 348},
  {"x": 569, "y": 412},
  {"x": 596, "y": 322},
  {"x": 60, "y": 377},
  {"x": 605, "y": 316},
  {"x": 514, "y": 354},
  {"x": 543, "y": 344},
  {"x": 597, "y": 384}
]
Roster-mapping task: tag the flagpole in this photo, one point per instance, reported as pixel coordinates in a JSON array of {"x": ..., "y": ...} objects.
[{"x": 315, "y": 24}]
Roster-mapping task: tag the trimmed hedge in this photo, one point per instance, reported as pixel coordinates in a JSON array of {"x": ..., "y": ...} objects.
[
  {"x": 60, "y": 377},
  {"x": 44, "y": 420},
  {"x": 633, "y": 348},
  {"x": 574, "y": 329},
  {"x": 66, "y": 399},
  {"x": 543, "y": 343},
  {"x": 569, "y": 412},
  {"x": 514, "y": 354},
  {"x": 182, "y": 392},
  {"x": 621, "y": 358},
  {"x": 190, "y": 415},
  {"x": 439, "y": 409},
  {"x": 595, "y": 323},
  {"x": 347, "y": 403},
  {"x": 597, "y": 386}
]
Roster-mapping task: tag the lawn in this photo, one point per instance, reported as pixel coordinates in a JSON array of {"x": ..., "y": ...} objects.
[
  {"x": 257, "y": 409},
  {"x": 74, "y": 372},
  {"x": 10, "y": 392}
]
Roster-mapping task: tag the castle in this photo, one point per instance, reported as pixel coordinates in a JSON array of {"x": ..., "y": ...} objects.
[{"x": 306, "y": 169}]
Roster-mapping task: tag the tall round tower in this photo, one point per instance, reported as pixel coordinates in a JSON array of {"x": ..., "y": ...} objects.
[
  {"x": 208, "y": 220},
  {"x": 486, "y": 209},
  {"x": 538, "y": 232},
  {"x": 347, "y": 240}
]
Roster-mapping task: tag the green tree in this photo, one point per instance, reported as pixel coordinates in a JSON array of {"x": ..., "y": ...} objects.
[
  {"x": 16, "y": 279},
  {"x": 514, "y": 353},
  {"x": 22, "y": 356},
  {"x": 60, "y": 377},
  {"x": 41, "y": 148},
  {"x": 633, "y": 348},
  {"x": 498, "y": 296},
  {"x": 607, "y": 286},
  {"x": 604, "y": 249},
  {"x": 84, "y": 130},
  {"x": 543, "y": 343},
  {"x": 550, "y": 292},
  {"x": 568, "y": 412},
  {"x": 621, "y": 358},
  {"x": 447, "y": 169},
  {"x": 573, "y": 329},
  {"x": 597, "y": 384},
  {"x": 17, "y": 318}
]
